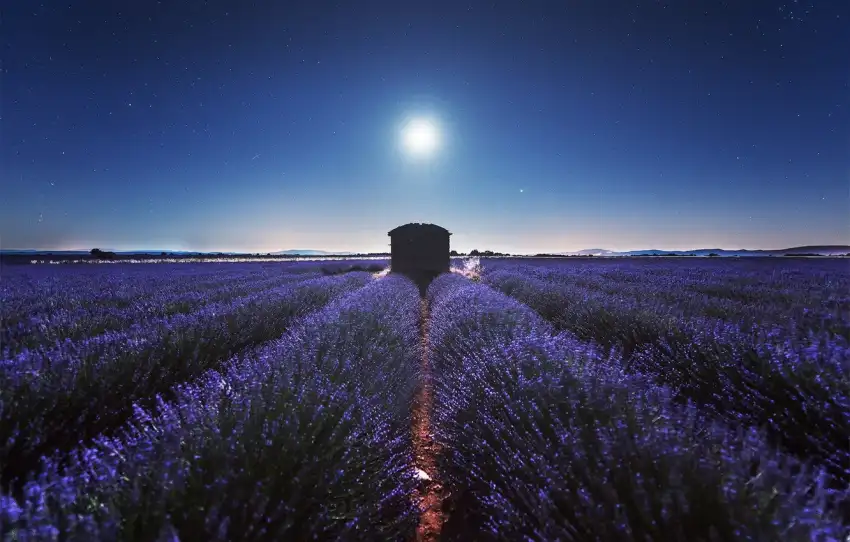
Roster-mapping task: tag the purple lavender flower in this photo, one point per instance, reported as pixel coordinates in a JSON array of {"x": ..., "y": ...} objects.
[
  {"x": 753, "y": 345},
  {"x": 548, "y": 437},
  {"x": 307, "y": 437},
  {"x": 53, "y": 399}
]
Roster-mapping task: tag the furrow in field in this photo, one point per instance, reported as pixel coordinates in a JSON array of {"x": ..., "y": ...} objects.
[{"x": 426, "y": 450}]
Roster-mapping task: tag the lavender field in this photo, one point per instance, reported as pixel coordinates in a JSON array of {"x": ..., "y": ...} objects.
[{"x": 576, "y": 400}]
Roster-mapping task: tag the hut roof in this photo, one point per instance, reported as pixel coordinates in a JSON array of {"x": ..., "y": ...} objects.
[{"x": 419, "y": 228}]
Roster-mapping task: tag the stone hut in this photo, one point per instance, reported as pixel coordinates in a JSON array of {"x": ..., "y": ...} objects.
[{"x": 420, "y": 251}]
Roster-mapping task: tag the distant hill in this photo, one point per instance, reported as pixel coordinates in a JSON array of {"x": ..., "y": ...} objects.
[
  {"x": 590, "y": 252},
  {"x": 309, "y": 252},
  {"x": 820, "y": 250},
  {"x": 826, "y": 250}
]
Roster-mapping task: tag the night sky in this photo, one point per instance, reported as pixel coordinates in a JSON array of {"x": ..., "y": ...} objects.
[{"x": 564, "y": 125}]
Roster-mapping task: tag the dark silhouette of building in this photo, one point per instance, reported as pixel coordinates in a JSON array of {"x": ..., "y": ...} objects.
[{"x": 420, "y": 251}]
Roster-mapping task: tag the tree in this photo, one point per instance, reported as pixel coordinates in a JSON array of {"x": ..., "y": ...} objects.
[{"x": 102, "y": 254}]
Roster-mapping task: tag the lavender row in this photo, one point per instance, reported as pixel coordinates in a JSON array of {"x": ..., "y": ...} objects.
[
  {"x": 32, "y": 290},
  {"x": 82, "y": 322},
  {"x": 797, "y": 388},
  {"x": 308, "y": 438},
  {"x": 804, "y": 277},
  {"x": 35, "y": 291},
  {"x": 52, "y": 400},
  {"x": 547, "y": 438},
  {"x": 811, "y": 297},
  {"x": 31, "y": 308}
]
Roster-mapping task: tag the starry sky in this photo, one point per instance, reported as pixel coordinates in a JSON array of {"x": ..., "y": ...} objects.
[{"x": 565, "y": 125}]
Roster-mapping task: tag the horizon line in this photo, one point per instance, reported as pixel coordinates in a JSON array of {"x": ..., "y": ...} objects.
[{"x": 343, "y": 252}]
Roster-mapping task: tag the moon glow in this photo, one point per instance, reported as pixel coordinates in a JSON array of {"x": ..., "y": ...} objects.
[{"x": 420, "y": 137}]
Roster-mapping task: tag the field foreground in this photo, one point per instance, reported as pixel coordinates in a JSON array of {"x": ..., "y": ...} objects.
[{"x": 528, "y": 400}]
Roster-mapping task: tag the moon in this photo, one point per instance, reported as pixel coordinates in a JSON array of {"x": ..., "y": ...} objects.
[{"x": 420, "y": 137}]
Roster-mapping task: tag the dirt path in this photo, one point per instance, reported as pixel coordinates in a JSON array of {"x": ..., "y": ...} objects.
[{"x": 430, "y": 493}]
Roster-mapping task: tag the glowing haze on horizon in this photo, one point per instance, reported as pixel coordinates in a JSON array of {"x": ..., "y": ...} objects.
[{"x": 522, "y": 128}]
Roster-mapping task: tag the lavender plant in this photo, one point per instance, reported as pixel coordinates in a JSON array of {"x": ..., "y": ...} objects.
[
  {"x": 39, "y": 302},
  {"x": 307, "y": 438},
  {"x": 809, "y": 294},
  {"x": 39, "y": 290},
  {"x": 790, "y": 380},
  {"x": 545, "y": 437},
  {"x": 40, "y": 332},
  {"x": 53, "y": 400}
]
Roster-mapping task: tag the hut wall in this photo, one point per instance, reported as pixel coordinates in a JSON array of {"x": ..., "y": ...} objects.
[{"x": 417, "y": 252}]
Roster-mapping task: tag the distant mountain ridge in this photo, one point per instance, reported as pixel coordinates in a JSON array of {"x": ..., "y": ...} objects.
[
  {"x": 820, "y": 250},
  {"x": 309, "y": 252}
]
